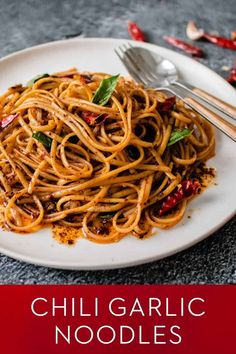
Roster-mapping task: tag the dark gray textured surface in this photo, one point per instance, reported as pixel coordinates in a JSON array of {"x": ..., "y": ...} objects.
[{"x": 26, "y": 23}]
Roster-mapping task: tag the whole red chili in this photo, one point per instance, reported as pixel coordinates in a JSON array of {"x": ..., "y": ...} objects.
[
  {"x": 187, "y": 189},
  {"x": 135, "y": 32},
  {"x": 220, "y": 41},
  {"x": 186, "y": 47},
  {"x": 195, "y": 33}
]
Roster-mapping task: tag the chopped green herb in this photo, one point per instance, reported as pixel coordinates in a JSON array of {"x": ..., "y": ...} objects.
[
  {"x": 107, "y": 215},
  {"x": 179, "y": 134},
  {"x": 35, "y": 79},
  {"x": 42, "y": 138},
  {"x": 105, "y": 89}
]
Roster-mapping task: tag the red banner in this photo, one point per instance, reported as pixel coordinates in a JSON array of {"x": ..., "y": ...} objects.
[{"x": 117, "y": 319}]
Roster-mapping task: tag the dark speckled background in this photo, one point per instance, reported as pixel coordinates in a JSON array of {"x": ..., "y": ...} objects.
[{"x": 27, "y": 23}]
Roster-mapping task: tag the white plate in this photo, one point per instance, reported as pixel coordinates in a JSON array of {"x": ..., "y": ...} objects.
[{"x": 208, "y": 212}]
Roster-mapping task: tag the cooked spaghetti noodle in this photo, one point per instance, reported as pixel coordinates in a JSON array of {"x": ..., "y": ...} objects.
[{"x": 108, "y": 170}]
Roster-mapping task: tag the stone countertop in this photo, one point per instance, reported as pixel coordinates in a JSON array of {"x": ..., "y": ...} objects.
[{"x": 29, "y": 22}]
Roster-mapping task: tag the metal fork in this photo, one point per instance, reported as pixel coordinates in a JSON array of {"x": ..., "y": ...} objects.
[{"x": 142, "y": 72}]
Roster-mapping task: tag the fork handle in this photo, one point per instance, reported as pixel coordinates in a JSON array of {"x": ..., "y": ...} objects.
[
  {"x": 228, "y": 108},
  {"x": 222, "y": 124},
  {"x": 216, "y": 103},
  {"x": 226, "y": 127}
]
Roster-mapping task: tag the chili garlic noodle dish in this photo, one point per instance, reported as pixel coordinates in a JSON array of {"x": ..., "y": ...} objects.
[{"x": 98, "y": 156}]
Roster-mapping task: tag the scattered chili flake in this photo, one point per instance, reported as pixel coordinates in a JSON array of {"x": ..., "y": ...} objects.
[
  {"x": 65, "y": 234},
  {"x": 135, "y": 32},
  {"x": 94, "y": 118},
  {"x": 103, "y": 230},
  {"x": 8, "y": 120},
  {"x": 167, "y": 105},
  {"x": 186, "y": 47}
]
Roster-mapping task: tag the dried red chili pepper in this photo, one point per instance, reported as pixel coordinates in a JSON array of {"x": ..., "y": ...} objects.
[
  {"x": 232, "y": 75},
  {"x": 93, "y": 118},
  {"x": 187, "y": 189},
  {"x": 194, "y": 33},
  {"x": 186, "y": 47},
  {"x": 7, "y": 120},
  {"x": 135, "y": 32},
  {"x": 220, "y": 41},
  {"x": 167, "y": 105}
]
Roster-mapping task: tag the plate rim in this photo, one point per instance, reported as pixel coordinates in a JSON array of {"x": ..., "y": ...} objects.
[
  {"x": 111, "y": 39},
  {"x": 118, "y": 264}
]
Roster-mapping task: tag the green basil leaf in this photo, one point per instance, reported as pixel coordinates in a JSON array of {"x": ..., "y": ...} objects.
[
  {"x": 105, "y": 89},
  {"x": 35, "y": 79},
  {"x": 43, "y": 138},
  {"x": 179, "y": 134}
]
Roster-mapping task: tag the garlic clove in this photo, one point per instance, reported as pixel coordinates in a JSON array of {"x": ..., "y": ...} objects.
[{"x": 193, "y": 32}]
